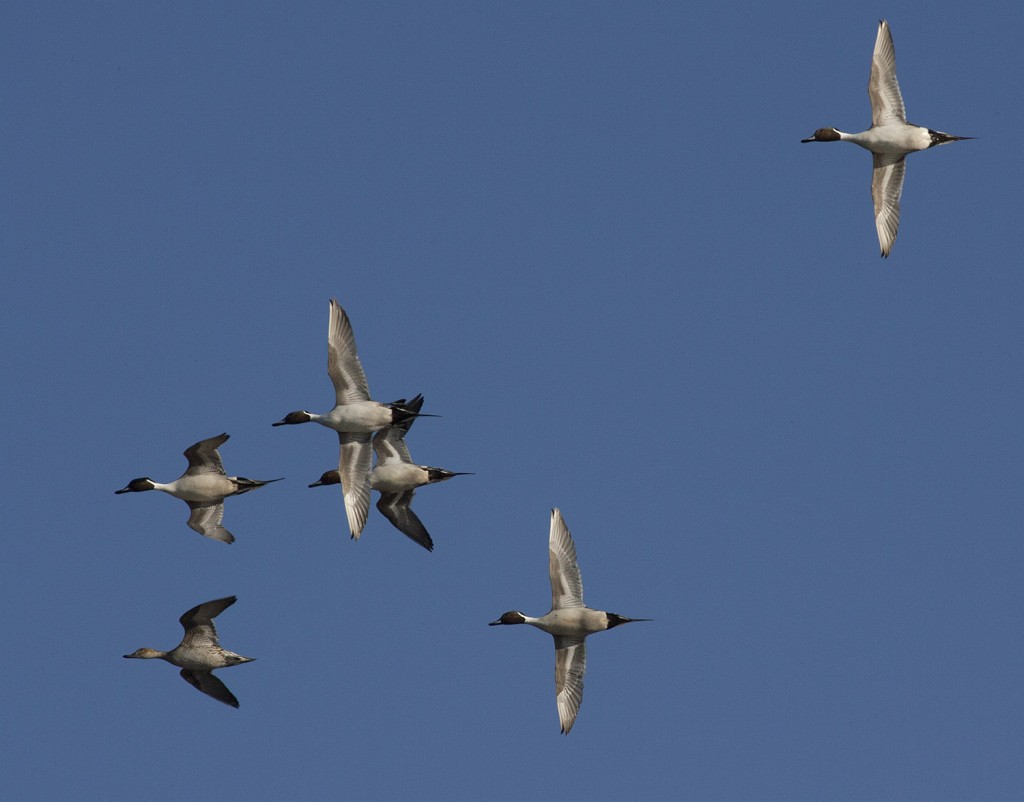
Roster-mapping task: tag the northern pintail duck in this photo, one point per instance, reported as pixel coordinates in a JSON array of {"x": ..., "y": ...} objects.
[
  {"x": 396, "y": 476},
  {"x": 204, "y": 486},
  {"x": 354, "y": 417},
  {"x": 569, "y": 621},
  {"x": 890, "y": 138},
  {"x": 200, "y": 652}
]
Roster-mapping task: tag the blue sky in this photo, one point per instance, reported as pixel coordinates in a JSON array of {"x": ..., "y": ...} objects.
[{"x": 590, "y": 236}]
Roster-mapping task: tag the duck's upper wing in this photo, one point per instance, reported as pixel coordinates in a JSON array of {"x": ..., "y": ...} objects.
[
  {"x": 203, "y": 456},
  {"x": 395, "y": 507},
  {"x": 354, "y": 461},
  {"x": 886, "y": 189},
  {"x": 389, "y": 445},
  {"x": 198, "y": 623},
  {"x": 570, "y": 666},
  {"x": 206, "y": 520},
  {"x": 343, "y": 365},
  {"x": 566, "y": 582},
  {"x": 883, "y": 88},
  {"x": 210, "y": 685}
]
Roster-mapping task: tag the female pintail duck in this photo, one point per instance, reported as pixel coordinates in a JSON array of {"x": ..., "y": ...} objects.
[
  {"x": 396, "y": 476},
  {"x": 200, "y": 652},
  {"x": 890, "y": 138},
  {"x": 354, "y": 417},
  {"x": 204, "y": 486},
  {"x": 569, "y": 621}
]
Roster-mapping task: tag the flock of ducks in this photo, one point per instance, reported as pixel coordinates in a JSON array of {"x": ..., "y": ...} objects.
[{"x": 366, "y": 427}]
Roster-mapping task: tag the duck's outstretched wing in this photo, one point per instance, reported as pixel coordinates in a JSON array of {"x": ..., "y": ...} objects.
[
  {"x": 886, "y": 189},
  {"x": 395, "y": 507},
  {"x": 389, "y": 445},
  {"x": 566, "y": 582},
  {"x": 343, "y": 365},
  {"x": 570, "y": 666},
  {"x": 203, "y": 457},
  {"x": 210, "y": 685},
  {"x": 354, "y": 461},
  {"x": 883, "y": 88},
  {"x": 206, "y": 520},
  {"x": 198, "y": 623}
]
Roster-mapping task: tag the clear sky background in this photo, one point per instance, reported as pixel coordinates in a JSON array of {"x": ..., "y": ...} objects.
[{"x": 590, "y": 236}]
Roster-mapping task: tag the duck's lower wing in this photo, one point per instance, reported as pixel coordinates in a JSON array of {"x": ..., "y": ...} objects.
[
  {"x": 354, "y": 463},
  {"x": 570, "y": 665},
  {"x": 395, "y": 507},
  {"x": 206, "y": 520},
  {"x": 207, "y": 683},
  {"x": 886, "y": 189}
]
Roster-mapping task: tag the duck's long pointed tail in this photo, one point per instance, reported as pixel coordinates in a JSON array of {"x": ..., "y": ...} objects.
[
  {"x": 941, "y": 138},
  {"x": 245, "y": 485}
]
